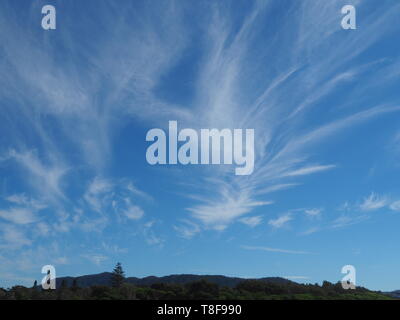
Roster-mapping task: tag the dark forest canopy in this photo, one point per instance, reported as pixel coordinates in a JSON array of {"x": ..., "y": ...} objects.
[
  {"x": 197, "y": 290},
  {"x": 115, "y": 286}
]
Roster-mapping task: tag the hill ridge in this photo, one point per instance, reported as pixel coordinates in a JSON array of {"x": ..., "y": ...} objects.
[{"x": 104, "y": 278}]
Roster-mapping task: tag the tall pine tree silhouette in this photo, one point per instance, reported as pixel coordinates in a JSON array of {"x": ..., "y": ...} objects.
[{"x": 118, "y": 276}]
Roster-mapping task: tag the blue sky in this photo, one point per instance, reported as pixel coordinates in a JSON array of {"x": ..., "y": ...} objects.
[{"x": 76, "y": 104}]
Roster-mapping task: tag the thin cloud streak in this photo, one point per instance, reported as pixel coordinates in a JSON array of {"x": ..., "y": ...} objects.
[{"x": 268, "y": 249}]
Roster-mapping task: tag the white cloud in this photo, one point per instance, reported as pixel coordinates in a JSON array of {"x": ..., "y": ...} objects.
[
  {"x": 308, "y": 170},
  {"x": 95, "y": 192},
  {"x": 18, "y": 215},
  {"x": 277, "y": 187},
  {"x": 138, "y": 192},
  {"x": 313, "y": 212},
  {"x": 395, "y": 206},
  {"x": 151, "y": 236},
  {"x": 61, "y": 261},
  {"x": 113, "y": 248},
  {"x": 345, "y": 221},
  {"x": 187, "y": 229},
  {"x": 274, "y": 250},
  {"x": 43, "y": 229},
  {"x": 103, "y": 195},
  {"x": 373, "y": 202},
  {"x": 23, "y": 200},
  {"x": 97, "y": 259},
  {"x": 310, "y": 231},
  {"x": 219, "y": 213},
  {"x": 44, "y": 178},
  {"x": 133, "y": 212},
  {"x": 13, "y": 237},
  {"x": 251, "y": 221},
  {"x": 24, "y": 210},
  {"x": 281, "y": 221},
  {"x": 90, "y": 224}
]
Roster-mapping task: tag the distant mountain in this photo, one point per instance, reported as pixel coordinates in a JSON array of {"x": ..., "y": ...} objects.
[
  {"x": 393, "y": 294},
  {"x": 185, "y": 278},
  {"x": 105, "y": 279}
]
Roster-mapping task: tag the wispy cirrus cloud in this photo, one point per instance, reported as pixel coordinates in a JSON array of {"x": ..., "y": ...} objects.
[
  {"x": 310, "y": 231},
  {"x": 22, "y": 209},
  {"x": 309, "y": 170},
  {"x": 280, "y": 153},
  {"x": 313, "y": 212},
  {"x": 280, "y": 221},
  {"x": 187, "y": 229},
  {"x": 13, "y": 237},
  {"x": 268, "y": 249},
  {"x": 44, "y": 178},
  {"x": 395, "y": 206},
  {"x": 18, "y": 215},
  {"x": 151, "y": 236},
  {"x": 103, "y": 195},
  {"x": 348, "y": 220},
  {"x": 251, "y": 221},
  {"x": 232, "y": 87},
  {"x": 218, "y": 213},
  {"x": 373, "y": 202},
  {"x": 95, "y": 258}
]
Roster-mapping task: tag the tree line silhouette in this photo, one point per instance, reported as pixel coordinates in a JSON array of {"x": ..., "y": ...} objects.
[{"x": 196, "y": 290}]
